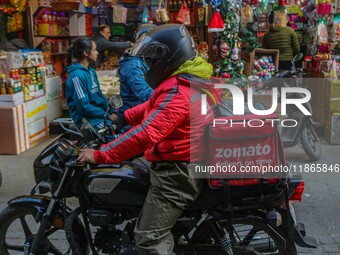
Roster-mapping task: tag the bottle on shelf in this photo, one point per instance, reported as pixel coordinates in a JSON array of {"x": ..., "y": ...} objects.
[{"x": 3, "y": 84}]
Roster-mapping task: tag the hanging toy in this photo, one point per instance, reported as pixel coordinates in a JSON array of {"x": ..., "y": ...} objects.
[
  {"x": 322, "y": 37},
  {"x": 145, "y": 16},
  {"x": 20, "y": 5},
  {"x": 337, "y": 27},
  {"x": 264, "y": 5},
  {"x": 224, "y": 49},
  {"x": 226, "y": 75},
  {"x": 247, "y": 14},
  {"x": 323, "y": 7},
  {"x": 235, "y": 51},
  {"x": 203, "y": 51},
  {"x": 333, "y": 71}
]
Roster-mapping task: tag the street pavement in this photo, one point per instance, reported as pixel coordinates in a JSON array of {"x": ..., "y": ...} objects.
[{"x": 319, "y": 209}]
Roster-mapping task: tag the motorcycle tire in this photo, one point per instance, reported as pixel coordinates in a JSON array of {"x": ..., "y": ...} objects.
[
  {"x": 311, "y": 143},
  {"x": 251, "y": 236},
  {"x": 18, "y": 227}
]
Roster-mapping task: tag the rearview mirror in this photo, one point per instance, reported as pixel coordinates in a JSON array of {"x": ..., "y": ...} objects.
[
  {"x": 116, "y": 101},
  {"x": 298, "y": 57},
  {"x": 89, "y": 132}
]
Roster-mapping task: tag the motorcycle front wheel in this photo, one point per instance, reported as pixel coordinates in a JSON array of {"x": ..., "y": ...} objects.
[
  {"x": 250, "y": 237},
  {"x": 311, "y": 143},
  {"x": 18, "y": 228}
]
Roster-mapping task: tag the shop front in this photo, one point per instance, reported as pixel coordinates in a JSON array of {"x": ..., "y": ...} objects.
[{"x": 240, "y": 38}]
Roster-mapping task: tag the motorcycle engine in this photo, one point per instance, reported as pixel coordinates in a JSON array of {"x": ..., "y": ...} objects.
[{"x": 107, "y": 241}]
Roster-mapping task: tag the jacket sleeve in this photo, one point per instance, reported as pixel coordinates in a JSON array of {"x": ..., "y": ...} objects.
[
  {"x": 137, "y": 83},
  {"x": 81, "y": 99},
  {"x": 295, "y": 43},
  {"x": 169, "y": 111},
  {"x": 135, "y": 115}
]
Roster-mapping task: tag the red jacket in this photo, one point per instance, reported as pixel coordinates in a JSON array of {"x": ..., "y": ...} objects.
[{"x": 167, "y": 127}]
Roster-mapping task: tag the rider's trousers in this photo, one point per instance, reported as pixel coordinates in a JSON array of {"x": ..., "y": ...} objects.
[{"x": 173, "y": 188}]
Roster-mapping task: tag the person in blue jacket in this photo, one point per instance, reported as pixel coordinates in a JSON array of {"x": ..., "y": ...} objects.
[
  {"x": 83, "y": 94},
  {"x": 134, "y": 90}
]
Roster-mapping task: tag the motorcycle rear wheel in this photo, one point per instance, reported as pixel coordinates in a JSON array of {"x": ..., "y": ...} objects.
[
  {"x": 252, "y": 237},
  {"x": 311, "y": 143},
  {"x": 18, "y": 228}
]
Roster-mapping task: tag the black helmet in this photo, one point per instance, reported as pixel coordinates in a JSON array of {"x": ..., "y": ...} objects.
[
  {"x": 142, "y": 29},
  {"x": 164, "y": 49}
]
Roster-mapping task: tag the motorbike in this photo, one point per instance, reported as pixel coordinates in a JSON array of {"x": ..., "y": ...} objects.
[
  {"x": 92, "y": 209},
  {"x": 304, "y": 133}
]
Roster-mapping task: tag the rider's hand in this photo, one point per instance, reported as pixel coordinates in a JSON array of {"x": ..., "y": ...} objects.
[
  {"x": 87, "y": 156},
  {"x": 113, "y": 117},
  {"x": 118, "y": 124}
]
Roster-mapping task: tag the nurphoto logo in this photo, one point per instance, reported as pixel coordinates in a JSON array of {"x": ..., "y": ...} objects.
[{"x": 239, "y": 105}]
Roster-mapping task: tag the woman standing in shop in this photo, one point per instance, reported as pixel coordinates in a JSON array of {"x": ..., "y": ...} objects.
[
  {"x": 282, "y": 38},
  {"x": 102, "y": 40},
  {"x": 83, "y": 94}
]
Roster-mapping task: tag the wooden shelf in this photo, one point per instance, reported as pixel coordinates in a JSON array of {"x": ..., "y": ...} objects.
[
  {"x": 56, "y": 37},
  {"x": 60, "y": 53}
]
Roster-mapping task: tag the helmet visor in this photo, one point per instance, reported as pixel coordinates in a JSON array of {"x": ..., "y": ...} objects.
[{"x": 149, "y": 48}]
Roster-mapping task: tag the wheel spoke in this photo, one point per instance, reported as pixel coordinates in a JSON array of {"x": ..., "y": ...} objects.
[
  {"x": 54, "y": 250},
  {"x": 14, "y": 247},
  {"x": 25, "y": 227},
  {"x": 50, "y": 231}
]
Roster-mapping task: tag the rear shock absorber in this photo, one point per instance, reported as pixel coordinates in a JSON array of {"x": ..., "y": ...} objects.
[{"x": 220, "y": 235}]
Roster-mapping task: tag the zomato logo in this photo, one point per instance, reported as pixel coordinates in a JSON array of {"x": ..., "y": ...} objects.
[
  {"x": 239, "y": 102},
  {"x": 248, "y": 151}
]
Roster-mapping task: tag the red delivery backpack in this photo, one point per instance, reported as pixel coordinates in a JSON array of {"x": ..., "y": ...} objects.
[{"x": 245, "y": 150}]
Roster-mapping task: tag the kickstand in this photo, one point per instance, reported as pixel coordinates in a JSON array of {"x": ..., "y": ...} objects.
[{"x": 190, "y": 244}]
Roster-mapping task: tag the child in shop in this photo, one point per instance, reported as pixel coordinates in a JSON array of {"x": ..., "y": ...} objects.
[{"x": 83, "y": 94}]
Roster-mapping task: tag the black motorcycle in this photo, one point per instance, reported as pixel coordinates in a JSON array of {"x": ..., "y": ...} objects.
[
  {"x": 257, "y": 219},
  {"x": 304, "y": 132}
]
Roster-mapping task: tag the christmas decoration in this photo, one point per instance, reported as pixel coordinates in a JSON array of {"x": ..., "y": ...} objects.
[
  {"x": 247, "y": 14},
  {"x": 264, "y": 67},
  {"x": 234, "y": 55},
  {"x": 323, "y": 7},
  {"x": 20, "y": 5},
  {"x": 333, "y": 70},
  {"x": 229, "y": 65},
  {"x": 322, "y": 36},
  {"x": 15, "y": 22},
  {"x": 216, "y": 23},
  {"x": 249, "y": 41},
  {"x": 224, "y": 49},
  {"x": 145, "y": 16},
  {"x": 251, "y": 2},
  {"x": 203, "y": 51}
]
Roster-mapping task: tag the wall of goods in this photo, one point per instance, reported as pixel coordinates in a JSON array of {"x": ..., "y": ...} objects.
[{"x": 228, "y": 34}]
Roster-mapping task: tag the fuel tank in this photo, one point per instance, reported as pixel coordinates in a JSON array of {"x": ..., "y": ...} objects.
[{"x": 124, "y": 185}]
